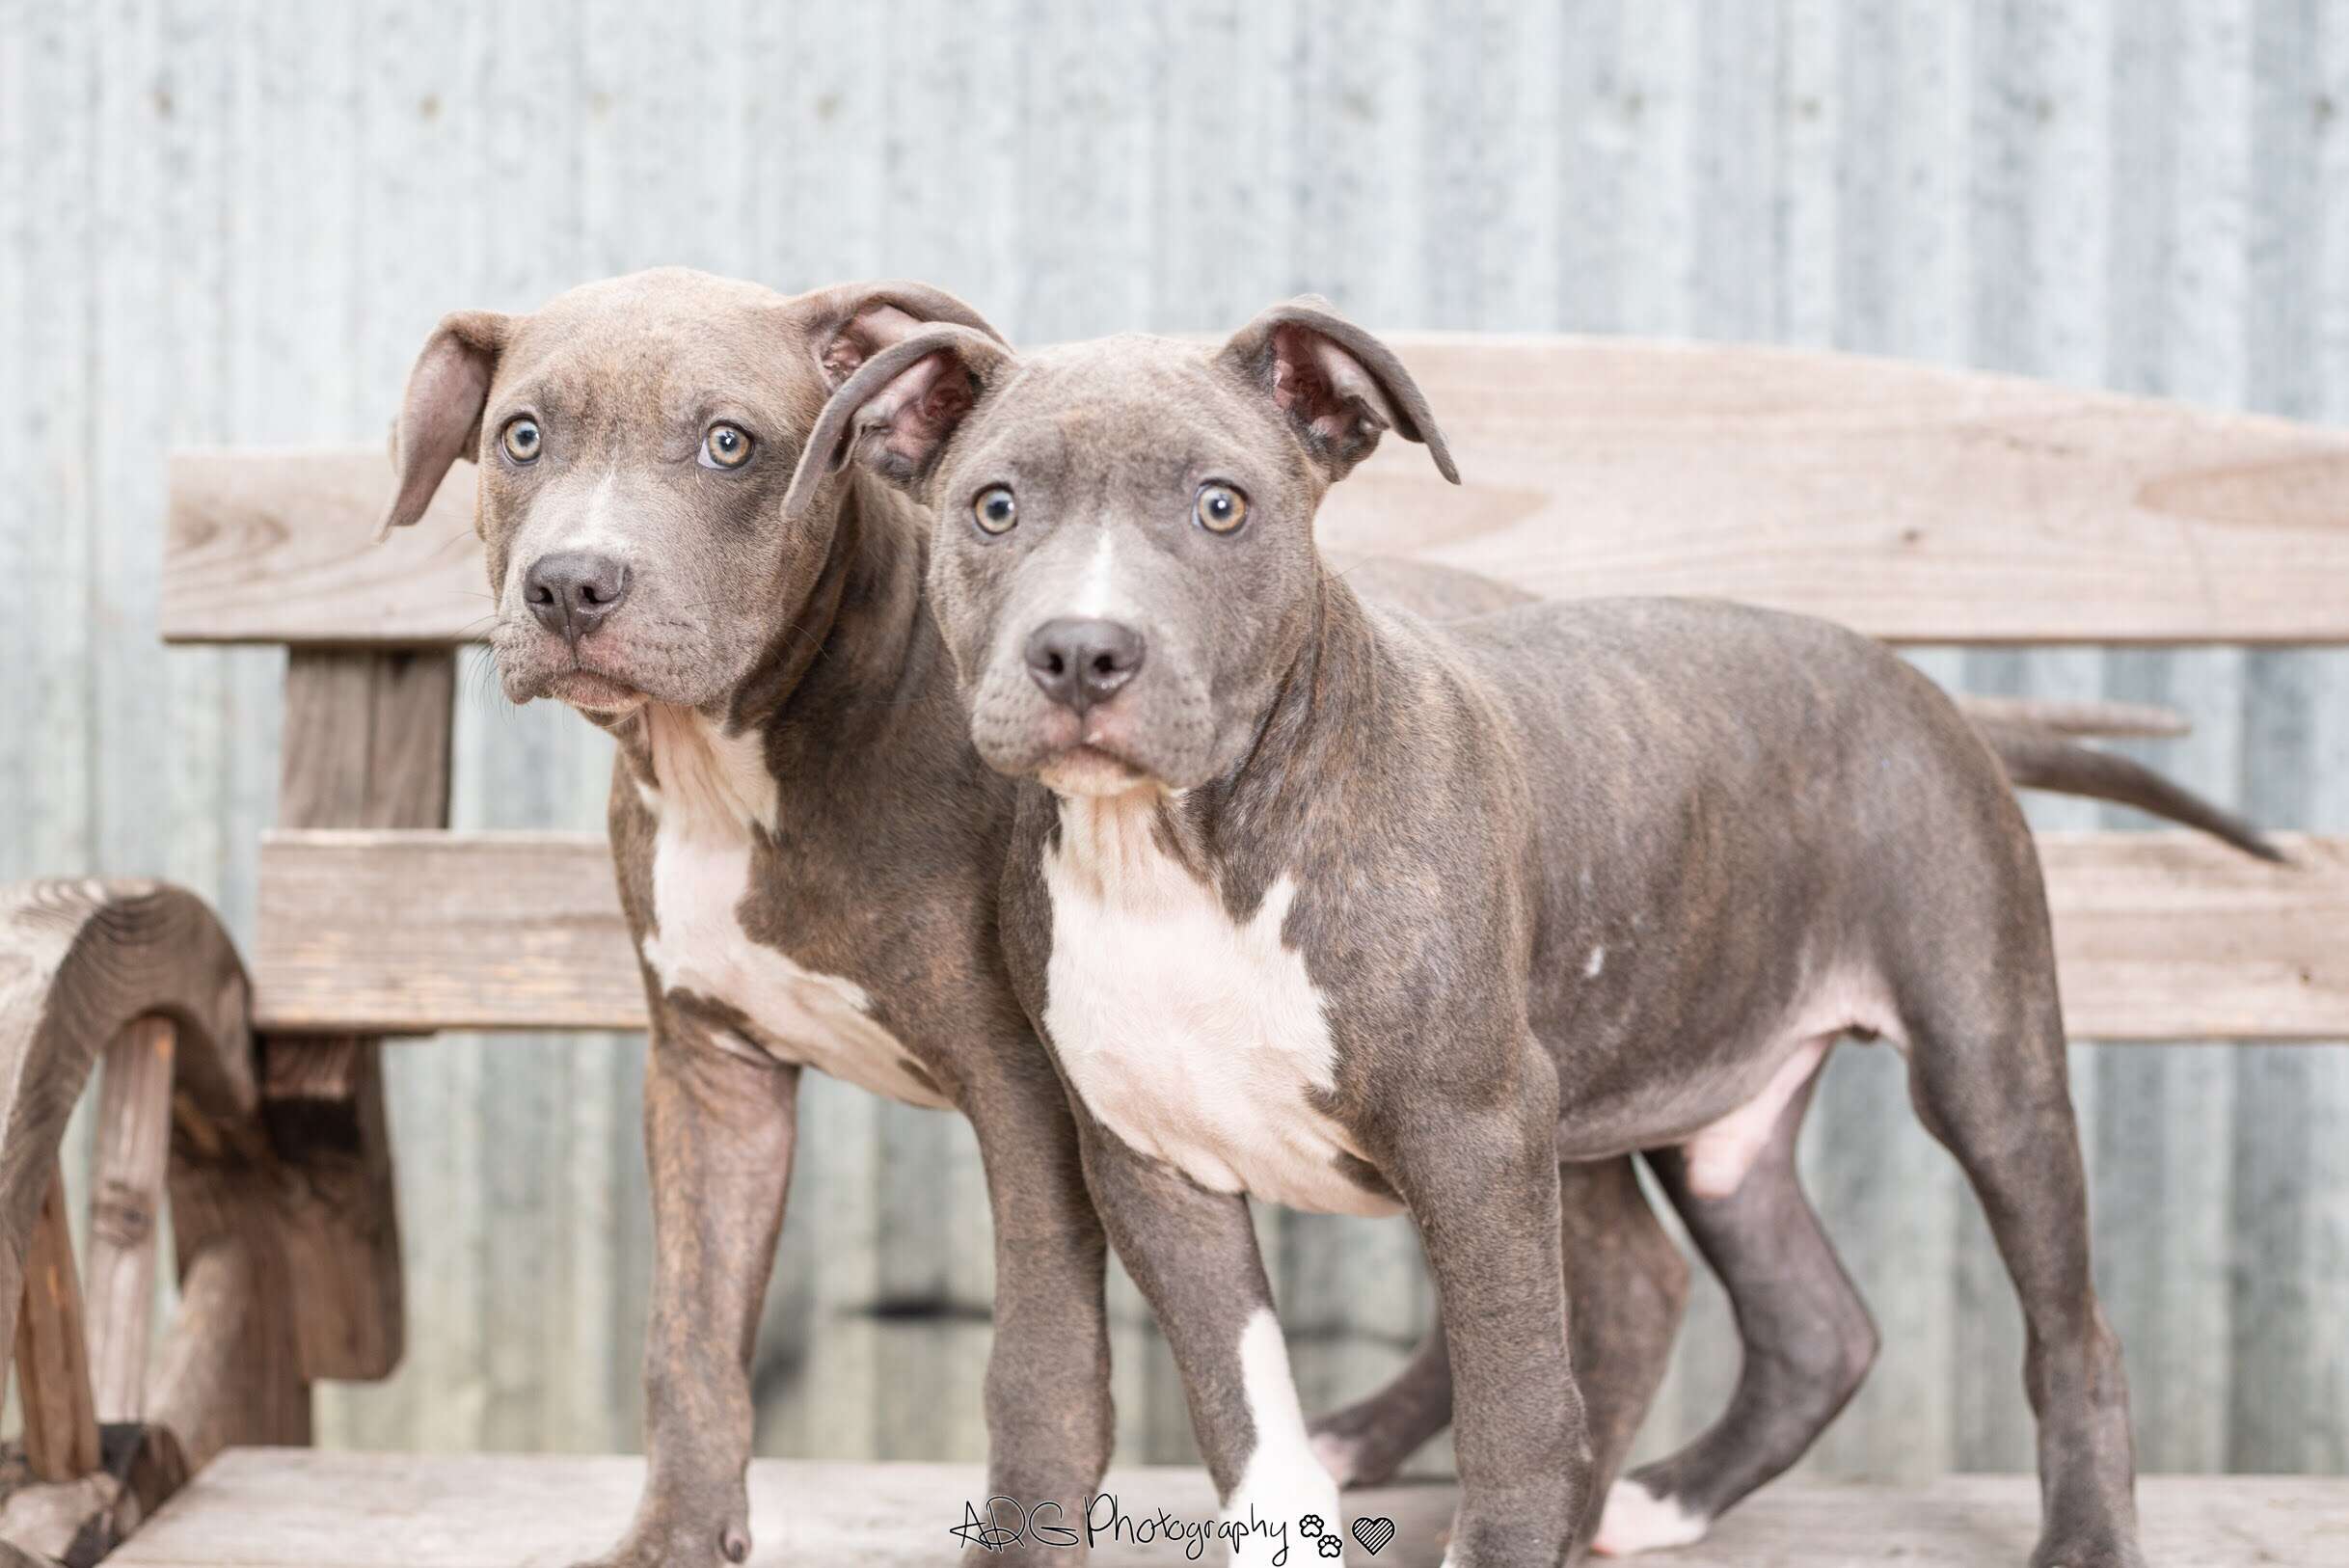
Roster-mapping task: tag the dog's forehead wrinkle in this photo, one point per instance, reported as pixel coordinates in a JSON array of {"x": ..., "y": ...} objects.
[
  {"x": 1158, "y": 423},
  {"x": 667, "y": 346}
]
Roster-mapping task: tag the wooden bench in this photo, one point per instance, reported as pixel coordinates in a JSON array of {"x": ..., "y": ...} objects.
[{"x": 1920, "y": 505}]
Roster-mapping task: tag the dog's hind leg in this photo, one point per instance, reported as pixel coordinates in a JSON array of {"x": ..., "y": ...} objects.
[
  {"x": 1807, "y": 1337},
  {"x": 1364, "y": 1444},
  {"x": 1987, "y": 1076},
  {"x": 1626, "y": 1285}
]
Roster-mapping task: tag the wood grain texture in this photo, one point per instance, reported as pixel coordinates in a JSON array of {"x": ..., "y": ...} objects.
[
  {"x": 279, "y": 547},
  {"x": 2159, "y": 936},
  {"x": 78, "y": 962},
  {"x": 366, "y": 745},
  {"x": 1918, "y": 504},
  {"x": 230, "y": 1370},
  {"x": 134, "y": 1133},
  {"x": 52, "y": 1354},
  {"x": 483, "y": 931},
  {"x": 286, "y": 1510}
]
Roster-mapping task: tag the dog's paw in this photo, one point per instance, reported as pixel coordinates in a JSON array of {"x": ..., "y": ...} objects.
[
  {"x": 1364, "y": 1444},
  {"x": 1636, "y": 1520},
  {"x": 2118, "y": 1552},
  {"x": 665, "y": 1545}
]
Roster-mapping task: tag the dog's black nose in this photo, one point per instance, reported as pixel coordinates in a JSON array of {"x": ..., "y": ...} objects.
[
  {"x": 1079, "y": 662},
  {"x": 572, "y": 593}
]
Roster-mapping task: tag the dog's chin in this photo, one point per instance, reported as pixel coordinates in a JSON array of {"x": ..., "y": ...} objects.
[
  {"x": 1092, "y": 772},
  {"x": 1109, "y": 750},
  {"x": 595, "y": 694}
]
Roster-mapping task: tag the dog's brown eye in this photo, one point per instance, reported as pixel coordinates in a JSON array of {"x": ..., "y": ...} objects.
[
  {"x": 726, "y": 446},
  {"x": 995, "y": 511},
  {"x": 1219, "y": 508},
  {"x": 521, "y": 439}
]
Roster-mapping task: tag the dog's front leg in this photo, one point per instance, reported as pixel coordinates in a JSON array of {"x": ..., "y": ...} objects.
[
  {"x": 1049, "y": 1421},
  {"x": 1483, "y": 1186},
  {"x": 717, "y": 1135},
  {"x": 1194, "y": 1254}
]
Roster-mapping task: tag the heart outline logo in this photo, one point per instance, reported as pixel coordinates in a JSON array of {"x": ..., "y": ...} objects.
[{"x": 1372, "y": 1533}]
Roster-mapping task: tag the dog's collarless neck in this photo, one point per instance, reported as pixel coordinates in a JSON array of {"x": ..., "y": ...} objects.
[
  {"x": 859, "y": 629},
  {"x": 1319, "y": 712}
]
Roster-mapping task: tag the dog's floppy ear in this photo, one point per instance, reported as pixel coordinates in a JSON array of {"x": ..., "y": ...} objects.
[
  {"x": 1340, "y": 388},
  {"x": 861, "y": 319},
  {"x": 897, "y": 411},
  {"x": 440, "y": 417}
]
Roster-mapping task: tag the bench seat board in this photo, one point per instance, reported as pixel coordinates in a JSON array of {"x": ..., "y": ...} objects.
[
  {"x": 1917, "y": 503},
  {"x": 296, "y": 1509},
  {"x": 2161, "y": 937}
]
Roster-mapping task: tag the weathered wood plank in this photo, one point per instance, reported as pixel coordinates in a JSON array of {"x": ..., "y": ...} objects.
[
  {"x": 134, "y": 1134},
  {"x": 256, "y": 1509},
  {"x": 230, "y": 1372},
  {"x": 60, "y": 1435},
  {"x": 366, "y": 745},
  {"x": 2160, "y": 935},
  {"x": 323, "y": 1104},
  {"x": 1919, "y": 503},
  {"x": 482, "y": 931},
  {"x": 279, "y": 545}
]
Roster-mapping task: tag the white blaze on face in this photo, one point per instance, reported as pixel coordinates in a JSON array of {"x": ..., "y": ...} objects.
[
  {"x": 714, "y": 795},
  {"x": 1282, "y": 1480},
  {"x": 1097, "y": 594},
  {"x": 555, "y": 527}
]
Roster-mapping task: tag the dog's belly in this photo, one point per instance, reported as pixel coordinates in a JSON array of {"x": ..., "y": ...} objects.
[
  {"x": 698, "y": 947},
  {"x": 1723, "y": 1113},
  {"x": 1198, "y": 1041}
]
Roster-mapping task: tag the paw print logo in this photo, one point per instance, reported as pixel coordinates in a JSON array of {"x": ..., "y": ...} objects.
[
  {"x": 1331, "y": 1546},
  {"x": 1311, "y": 1528}
]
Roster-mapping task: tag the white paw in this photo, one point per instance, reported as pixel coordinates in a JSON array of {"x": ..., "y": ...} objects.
[
  {"x": 1636, "y": 1520},
  {"x": 1341, "y": 1456}
]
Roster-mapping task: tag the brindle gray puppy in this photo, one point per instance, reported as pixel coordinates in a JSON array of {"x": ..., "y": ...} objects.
[
  {"x": 808, "y": 849},
  {"x": 1332, "y": 905}
]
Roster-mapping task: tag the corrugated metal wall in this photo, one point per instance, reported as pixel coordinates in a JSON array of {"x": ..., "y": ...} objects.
[{"x": 235, "y": 223}]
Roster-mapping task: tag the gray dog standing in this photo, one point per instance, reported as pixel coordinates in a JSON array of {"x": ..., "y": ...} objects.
[
  {"x": 806, "y": 851},
  {"x": 1336, "y": 907},
  {"x": 809, "y": 852}
]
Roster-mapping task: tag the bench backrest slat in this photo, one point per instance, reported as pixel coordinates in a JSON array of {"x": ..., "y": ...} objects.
[
  {"x": 1918, "y": 504},
  {"x": 2160, "y": 936}
]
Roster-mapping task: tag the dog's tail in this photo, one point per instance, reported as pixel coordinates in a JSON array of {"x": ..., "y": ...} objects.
[{"x": 2037, "y": 756}]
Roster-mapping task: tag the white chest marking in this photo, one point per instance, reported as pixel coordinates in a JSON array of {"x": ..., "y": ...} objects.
[
  {"x": 714, "y": 797},
  {"x": 1198, "y": 1040},
  {"x": 1283, "y": 1481}
]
